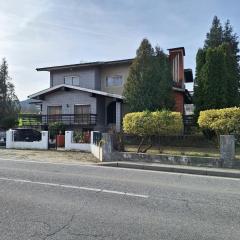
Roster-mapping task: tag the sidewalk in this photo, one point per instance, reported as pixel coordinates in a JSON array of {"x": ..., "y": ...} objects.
[
  {"x": 49, "y": 156},
  {"x": 218, "y": 172}
]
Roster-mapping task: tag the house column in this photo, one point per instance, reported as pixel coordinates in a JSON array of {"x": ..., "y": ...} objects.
[{"x": 118, "y": 116}]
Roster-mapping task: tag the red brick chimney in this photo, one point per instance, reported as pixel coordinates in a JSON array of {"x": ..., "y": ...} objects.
[{"x": 176, "y": 57}]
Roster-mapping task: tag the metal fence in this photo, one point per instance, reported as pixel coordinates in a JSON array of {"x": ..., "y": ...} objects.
[{"x": 97, "y": 137}]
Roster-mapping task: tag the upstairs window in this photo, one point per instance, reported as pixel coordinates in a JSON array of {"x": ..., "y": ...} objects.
[
  {"x": 72, "y": 80},
  {"x": 114, "y": 81}
]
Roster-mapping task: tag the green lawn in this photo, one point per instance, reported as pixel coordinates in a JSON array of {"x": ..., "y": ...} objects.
[{"x": 187, "y": 151}]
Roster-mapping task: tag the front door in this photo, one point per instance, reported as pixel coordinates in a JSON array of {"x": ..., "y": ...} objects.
[{"x": 111, "y": 113}]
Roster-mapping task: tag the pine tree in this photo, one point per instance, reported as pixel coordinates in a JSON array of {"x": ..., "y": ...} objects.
[
  {"x": 148, "y": 86},
  {"x": 213, "y": 75},
  {"x": 3, "y": 86},
  {"x": 230, "y": 37},
  {"x": 3, "y": 83},
  {"x": 9, "y": 104},
  {"x": 163, "y": 75},
  {"x": 199, "y": 97},
  {"x": 219, "y": 90},
  {"x": 215, "y": 36}
]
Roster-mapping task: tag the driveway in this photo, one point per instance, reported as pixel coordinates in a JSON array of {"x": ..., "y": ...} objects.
[{"x": 48, "y": 156}]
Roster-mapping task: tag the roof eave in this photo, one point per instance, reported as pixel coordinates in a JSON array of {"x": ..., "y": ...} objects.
[
  {"x": 89, "y": 64},
  {"x": 97, "y": 92}
]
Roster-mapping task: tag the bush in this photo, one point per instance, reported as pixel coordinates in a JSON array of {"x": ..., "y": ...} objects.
[
  {"x": 147, "y": 124},
  {"x": 56, "y": 128},
  {"x": 138, "y": 123},
  {"x": 8, "y": 122},
  {"x": 221, "y": 121},
  {"x": 167, "y": 123}
]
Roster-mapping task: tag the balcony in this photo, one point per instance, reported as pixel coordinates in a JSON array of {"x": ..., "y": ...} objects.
[{"x": 36, "y": 120}]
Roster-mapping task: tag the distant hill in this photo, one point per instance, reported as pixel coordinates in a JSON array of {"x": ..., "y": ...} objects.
[{"x": 26, "y": 107}]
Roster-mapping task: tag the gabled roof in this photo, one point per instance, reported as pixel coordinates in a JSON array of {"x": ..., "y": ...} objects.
[
  {"x": 98, "y": 63},
  {"x": 55, "y": 88},
  {"x": 87, "y": 64}
]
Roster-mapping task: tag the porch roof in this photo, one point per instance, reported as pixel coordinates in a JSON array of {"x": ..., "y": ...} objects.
[{"x": 55, "y": 88}]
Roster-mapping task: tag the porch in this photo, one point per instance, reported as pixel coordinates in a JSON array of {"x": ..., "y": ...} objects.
[
  {"x": 76, "y": 107},
  {"x": 70, "y": 120}
]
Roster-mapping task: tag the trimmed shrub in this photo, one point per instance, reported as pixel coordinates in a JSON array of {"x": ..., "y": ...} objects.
[
  {"x": 167, "y": 123},
  {"x": 147, "y": 124},
  {"x": 138, "y": 123},
  {"x": 221, "y": 121}
]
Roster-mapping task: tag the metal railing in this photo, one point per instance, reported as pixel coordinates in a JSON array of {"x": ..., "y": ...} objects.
[
  {"x": 97, "y": 137},
  {"x": 67, "y": 119},
  {"x": 189, "y": 120}
]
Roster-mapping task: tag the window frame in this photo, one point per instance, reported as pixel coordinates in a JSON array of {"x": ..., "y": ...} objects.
[
  {"x": 77, "y": 105},
  {"x": 112, "y": 77},
  {"x": 82, "y": 118},
  {"x": 72, "y": 77},
  {"x": 49, "y": 106}
]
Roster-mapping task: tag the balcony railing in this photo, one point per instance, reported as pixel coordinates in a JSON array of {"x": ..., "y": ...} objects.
[{"x": 67, "y": 119}]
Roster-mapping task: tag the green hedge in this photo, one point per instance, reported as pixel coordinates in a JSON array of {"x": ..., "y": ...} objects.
[
  {"x": 153, "y": 123},
  {"x": 221, "y": 121}
]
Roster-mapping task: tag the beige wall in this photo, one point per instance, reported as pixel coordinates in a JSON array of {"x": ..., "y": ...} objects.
[{"x": 111, "y": 71}]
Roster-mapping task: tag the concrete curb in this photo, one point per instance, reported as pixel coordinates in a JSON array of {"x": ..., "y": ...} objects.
[{"x": 217, "y": 172}]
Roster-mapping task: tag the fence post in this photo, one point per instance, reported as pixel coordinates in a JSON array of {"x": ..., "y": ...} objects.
[
  {"x": 227, "y": 150},
  {"x": 107, "y": 147},
  {"x": 9, "y": 138},
  {"x": 68, "y": 139},
  {"x": 45, "y": 139}
]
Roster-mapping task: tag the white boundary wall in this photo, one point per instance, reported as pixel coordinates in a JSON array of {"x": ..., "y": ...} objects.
[
  {"x": 69, "y": 145},
  {"x": 10, "y": 143},
  {"x": 87, "y": 147}
]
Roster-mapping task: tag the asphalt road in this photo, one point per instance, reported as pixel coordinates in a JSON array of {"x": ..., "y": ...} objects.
[{"x": 57, "y": 201}]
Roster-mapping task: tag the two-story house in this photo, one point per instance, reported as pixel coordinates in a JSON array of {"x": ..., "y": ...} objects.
[{"x": 89, "y": 95}]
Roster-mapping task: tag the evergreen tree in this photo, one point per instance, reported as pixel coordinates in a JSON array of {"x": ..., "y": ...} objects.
[
  {"x": 3, "y": 84},
  {"x": 163, "y": 76},
  {"x": 230, "y": 37},
  {"x": 215, "y": 36},
  {"x": 216, "y": 88},
  {"x": 199, "y": 97},
  {"x": 148, "y": 86},
  {"x": 9, "y": 104},
  {"x": 213, "y": 76}
]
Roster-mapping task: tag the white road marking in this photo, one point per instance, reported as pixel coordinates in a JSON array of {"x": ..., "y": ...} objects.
[{"x": 74, "y": 187}]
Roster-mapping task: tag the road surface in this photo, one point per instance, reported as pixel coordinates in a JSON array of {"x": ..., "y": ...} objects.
[{"x": 67, "y": 202}]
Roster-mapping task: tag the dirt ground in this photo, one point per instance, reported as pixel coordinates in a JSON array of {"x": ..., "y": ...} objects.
[{"x": 48, "y": 156}]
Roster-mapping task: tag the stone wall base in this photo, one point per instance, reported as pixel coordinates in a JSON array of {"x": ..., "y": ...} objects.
[{"x": 169, "y": 159}]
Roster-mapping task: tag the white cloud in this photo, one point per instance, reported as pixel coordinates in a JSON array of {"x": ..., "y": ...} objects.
[{"x": 51, "y": 32}]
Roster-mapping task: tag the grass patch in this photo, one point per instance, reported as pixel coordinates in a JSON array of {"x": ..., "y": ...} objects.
[{"x": 183, "y": 151}]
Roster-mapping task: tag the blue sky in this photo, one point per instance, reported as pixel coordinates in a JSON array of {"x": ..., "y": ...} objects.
[{"x": 54, "y": 32}]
